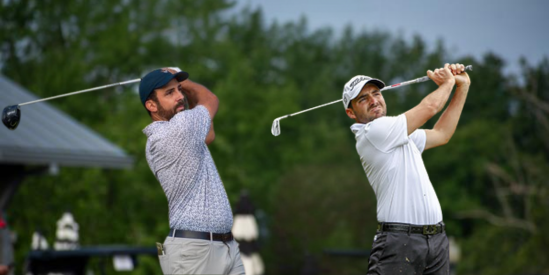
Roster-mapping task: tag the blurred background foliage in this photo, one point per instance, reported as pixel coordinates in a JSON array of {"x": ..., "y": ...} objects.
[{"x": 308, "y": 184}]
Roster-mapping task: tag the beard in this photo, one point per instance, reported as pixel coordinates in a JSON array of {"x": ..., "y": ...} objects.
[
  {"x": 169, "y": 114},
  {"x": 368, "y": 116},
  {"x": 379, "y": 114}
]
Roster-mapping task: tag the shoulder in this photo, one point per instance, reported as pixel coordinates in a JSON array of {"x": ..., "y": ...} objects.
[
  {"x": 198, "y": 113},
  {"x": 386, "y": 123},
  {"x": 199, "y": 110},
  {"x": 154, "y": 129},
  {"x": 389, "y": 119}
]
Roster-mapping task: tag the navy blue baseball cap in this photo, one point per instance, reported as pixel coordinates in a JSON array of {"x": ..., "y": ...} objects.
[{"x": 157, "y": 79}]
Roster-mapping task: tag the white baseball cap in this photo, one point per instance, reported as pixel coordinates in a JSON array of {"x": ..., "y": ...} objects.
[{"x": 354, "y": 86}]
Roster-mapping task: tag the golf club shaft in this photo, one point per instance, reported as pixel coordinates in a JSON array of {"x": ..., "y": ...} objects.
[
  {"x": 417, "y": 80},
  {"x": 276, "y": 126},
  {"x": 83, "y": 91},
  {"x": 313, "y": 108}
]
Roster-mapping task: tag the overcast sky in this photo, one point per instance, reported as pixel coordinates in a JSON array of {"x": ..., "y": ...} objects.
[{"x": 509, "y": 28}]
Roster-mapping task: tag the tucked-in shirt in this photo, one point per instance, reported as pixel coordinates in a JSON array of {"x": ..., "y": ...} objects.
[
  {"x": 178, "y": 156},
  {"x": 393, "y": 163}
]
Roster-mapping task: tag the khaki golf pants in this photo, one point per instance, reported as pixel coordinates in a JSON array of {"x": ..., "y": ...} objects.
[{"x": 195, "y": 256}]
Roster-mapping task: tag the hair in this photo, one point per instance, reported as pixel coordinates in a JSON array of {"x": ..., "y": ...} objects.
[{"x": 152, "y": 96}]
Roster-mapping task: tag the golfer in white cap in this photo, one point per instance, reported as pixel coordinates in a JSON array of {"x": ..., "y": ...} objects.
[{"x": 411, "y": 235}]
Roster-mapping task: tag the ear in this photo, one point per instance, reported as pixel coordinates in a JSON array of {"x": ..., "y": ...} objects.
[
  {"x": 151, "y": 106},
  {"x": 350, "y": 113}
]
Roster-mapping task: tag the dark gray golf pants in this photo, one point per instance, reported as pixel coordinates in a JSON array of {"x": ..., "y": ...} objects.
[{"x": 401, "y": 253}]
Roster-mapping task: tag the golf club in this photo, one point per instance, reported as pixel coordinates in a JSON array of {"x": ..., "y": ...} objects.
[
  {"x": 276, "y": 126},
  {"x": 12, "y": 114}
]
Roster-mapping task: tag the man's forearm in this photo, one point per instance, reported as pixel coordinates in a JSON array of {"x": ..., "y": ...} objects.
[
  {"x": 196, "y": 93},
  {"x": 439, "y": 97},
  {"x": 449, "y": 119}
]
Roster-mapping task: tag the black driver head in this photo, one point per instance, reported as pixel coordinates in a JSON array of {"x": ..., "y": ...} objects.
[{"x": 11, "y": 116}]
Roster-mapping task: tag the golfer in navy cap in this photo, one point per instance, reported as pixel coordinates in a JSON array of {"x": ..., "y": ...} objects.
[{"x": 199, "y": 240}]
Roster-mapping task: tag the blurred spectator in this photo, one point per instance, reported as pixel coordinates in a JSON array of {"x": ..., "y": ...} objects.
[
  {"x": 67, "y": 233},
  {"x": 6, "y": 248},
  {"x": 38, "y": 241},
  {"x": 245, "y": 231}
]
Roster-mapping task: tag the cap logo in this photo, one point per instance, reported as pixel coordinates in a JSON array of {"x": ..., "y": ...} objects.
[
  {"x": 356, "y": 81},
  {"x": 165, "y": 71}
]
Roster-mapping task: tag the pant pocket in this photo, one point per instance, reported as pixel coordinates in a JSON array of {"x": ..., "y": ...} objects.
[
  {"x": 376, "y": 252},
  {"x": 191, "y": 257},
  {"x": 165, "y": 264},
  {"x": 171, "y": 254}
]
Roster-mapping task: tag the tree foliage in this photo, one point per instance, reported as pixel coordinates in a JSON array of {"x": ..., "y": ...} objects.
[{"x": 491, "y": 179}]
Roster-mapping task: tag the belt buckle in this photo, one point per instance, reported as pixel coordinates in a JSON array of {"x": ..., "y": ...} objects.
[{"x": 429, "y": 229}]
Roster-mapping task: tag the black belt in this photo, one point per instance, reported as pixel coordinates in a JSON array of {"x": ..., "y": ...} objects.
[
  {"x": 221, "y": 237},
  {"x": 411, "y": 228}
]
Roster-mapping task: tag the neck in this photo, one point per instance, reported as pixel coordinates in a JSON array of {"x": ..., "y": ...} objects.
[{"x": 156, "y": 117}]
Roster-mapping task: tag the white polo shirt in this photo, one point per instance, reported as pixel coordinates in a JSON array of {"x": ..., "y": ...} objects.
[{"x": 394, "y": 167}]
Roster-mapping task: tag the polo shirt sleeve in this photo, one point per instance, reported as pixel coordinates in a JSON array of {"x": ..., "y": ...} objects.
[
  {"x": 418, "y": 137},
  {"x": 193, "y": 125},
  {"x": 387, "y": 132}
]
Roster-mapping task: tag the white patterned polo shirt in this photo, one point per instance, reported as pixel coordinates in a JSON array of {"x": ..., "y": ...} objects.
[{"x": 178, "y": 156}]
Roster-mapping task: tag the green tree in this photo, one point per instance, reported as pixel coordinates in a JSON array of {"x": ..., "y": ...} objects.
[{"x": 308, "y": 181}]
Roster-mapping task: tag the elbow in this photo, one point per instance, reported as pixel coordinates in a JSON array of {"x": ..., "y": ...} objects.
[
  {"x": 215, "y": 101},
  {"x": 445, "y": 140},
  {"x": 439, "y": 142},
  {"x": 210, "y": 138},
  {"x": 448, "y": 138},
  {"x": 211, "y": 134},
  {"x": 215, "y": 98},
  {"x": 439, "y": 136}
]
